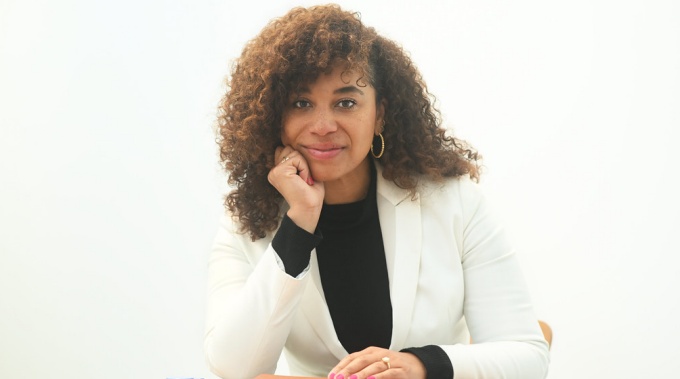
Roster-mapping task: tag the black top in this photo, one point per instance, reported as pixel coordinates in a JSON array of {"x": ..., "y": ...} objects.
[{"x": 353, "y": 272}]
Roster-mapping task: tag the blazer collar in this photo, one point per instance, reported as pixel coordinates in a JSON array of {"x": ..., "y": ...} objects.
[{"x": 390, "y": 191}]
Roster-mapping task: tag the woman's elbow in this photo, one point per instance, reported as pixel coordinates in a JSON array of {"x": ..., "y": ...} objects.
[{"x": 216, "y": 360}]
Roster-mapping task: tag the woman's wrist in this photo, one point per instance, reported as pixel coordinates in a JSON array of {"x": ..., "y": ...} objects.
[
  {"x": 305, "y": 219},
  {"x": 434, "y": 359},
  {"x": 294, "y": 245}
]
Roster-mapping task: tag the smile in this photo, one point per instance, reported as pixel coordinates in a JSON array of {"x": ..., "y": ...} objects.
[{"x": 321, "y": 153}]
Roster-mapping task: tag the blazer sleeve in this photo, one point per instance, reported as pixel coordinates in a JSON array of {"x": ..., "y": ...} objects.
[
  {"x": 251, "y": 305},
  {"x": 508, "y": 342}
]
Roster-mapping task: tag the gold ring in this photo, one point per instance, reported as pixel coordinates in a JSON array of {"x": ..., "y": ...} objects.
[
  {"x": 386, "y": 360},
  {"x": 284, "y": 159}
]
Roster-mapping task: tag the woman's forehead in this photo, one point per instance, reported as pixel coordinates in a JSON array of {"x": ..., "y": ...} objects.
[{"x": 341, "y": 72}]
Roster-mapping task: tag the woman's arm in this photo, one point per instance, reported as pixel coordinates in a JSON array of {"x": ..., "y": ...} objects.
[
  {"x": 508, "y": 342},
  {"x": 252, "y": 297},
  {"x": 251, "y": 305}
]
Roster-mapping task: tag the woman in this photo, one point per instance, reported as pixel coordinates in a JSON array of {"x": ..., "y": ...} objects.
[{"x": 356, "y": 239}]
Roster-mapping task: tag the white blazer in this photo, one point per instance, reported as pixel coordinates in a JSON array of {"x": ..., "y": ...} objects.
[{"x": 451, "y": 270}]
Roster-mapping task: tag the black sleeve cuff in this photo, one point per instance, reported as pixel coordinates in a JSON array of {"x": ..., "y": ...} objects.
[
  {"x": 294, "y": 246},
  {"x": 437, "y": 363}
]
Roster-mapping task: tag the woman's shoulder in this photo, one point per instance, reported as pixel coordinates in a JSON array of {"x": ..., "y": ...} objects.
[
  {"x": 457, "y": 189},
  {"x": 462, "y": 187},
  {"x": 231, "y": 232}
]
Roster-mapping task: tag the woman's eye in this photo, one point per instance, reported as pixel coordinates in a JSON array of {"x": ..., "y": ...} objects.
[
  {"x": 301, "y": 104},
  {"x": 347, "y": 103}
]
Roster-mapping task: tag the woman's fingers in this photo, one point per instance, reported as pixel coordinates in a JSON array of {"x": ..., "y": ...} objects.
[
  {"x": 378, "y": 363},
  {"x": 361, "y": 365},
  {"x": 289, "y": 169},
  {"x": 285, "y": 155},
  {"x": 291, "y": 176}
]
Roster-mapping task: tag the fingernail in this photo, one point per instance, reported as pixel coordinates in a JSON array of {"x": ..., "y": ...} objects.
[
  {"x": 310, "y": 181},
  {"x": 340, "y": 376},
  {"x": 331, "y": 375},
  {"x": 371, "y": 377},
  {"x": 353, "y": 376}
]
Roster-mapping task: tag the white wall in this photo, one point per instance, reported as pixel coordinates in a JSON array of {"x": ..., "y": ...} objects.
[{"x": 110, "y": 189}]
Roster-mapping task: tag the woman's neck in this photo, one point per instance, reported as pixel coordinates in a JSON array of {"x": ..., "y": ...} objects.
[{"x": 351, "y": 187}]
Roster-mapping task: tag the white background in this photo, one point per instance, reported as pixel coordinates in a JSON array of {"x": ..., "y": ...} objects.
[{"x": 110, "y": 188}]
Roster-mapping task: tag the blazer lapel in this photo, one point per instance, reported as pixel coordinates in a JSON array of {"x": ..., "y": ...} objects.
[
  {"x": 316, "y": 311},
  {"x": 401, "y": 228}
]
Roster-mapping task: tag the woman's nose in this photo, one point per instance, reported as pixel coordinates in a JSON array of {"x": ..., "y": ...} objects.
[{"x": 324, "y": 124}]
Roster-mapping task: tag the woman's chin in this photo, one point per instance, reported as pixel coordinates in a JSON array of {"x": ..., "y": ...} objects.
[
  {"x": 321, "y": 176},
  {"x": 332, "y": 171}
]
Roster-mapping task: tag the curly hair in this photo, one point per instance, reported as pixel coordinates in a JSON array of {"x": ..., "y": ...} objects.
[{"x": 296, "y": 49}]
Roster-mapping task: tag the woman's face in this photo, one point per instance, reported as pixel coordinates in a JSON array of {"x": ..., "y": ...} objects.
[{"x": 331, "y": 122}]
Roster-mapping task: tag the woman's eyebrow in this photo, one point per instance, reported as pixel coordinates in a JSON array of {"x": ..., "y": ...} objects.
[
  {"x": 349, "y": 89},
  {"x": 341, "y": 90}
]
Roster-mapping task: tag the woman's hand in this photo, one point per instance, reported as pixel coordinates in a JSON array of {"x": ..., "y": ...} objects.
[
  {"x": 292, "y": 178},
  {"x": 378, "y": 363}
]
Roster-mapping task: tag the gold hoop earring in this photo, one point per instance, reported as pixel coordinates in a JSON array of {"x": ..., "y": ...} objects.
[{"x": 382, "y": 147}]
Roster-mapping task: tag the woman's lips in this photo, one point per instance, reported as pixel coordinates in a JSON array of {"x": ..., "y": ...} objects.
[{"x": 323, "y": 152}]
